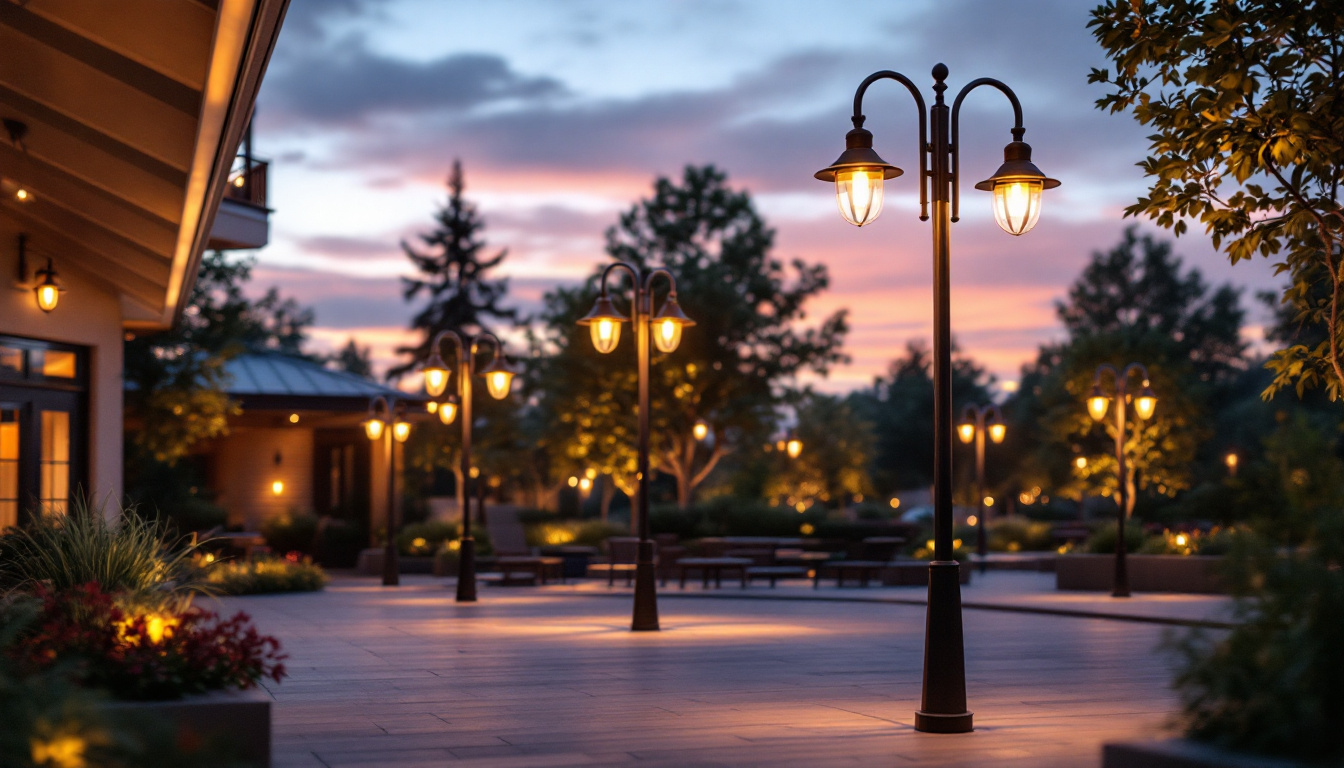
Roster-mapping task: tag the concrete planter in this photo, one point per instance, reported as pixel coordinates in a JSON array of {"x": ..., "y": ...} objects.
[
  {"x": 1147, "y": 573},
  {"x": 1183, "y": 753},
  {"x": 237, "y": 723}
]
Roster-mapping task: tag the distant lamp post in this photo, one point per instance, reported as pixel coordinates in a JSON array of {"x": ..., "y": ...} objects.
[
  {"x": 1098, "y": 403},
  {"x": 386, "y": 419},
  {"x": 1016, "y": 187},
  {"x": 498, "y": 380},
  {"x": 604, "y": 325},
  {"x": 793, "y": 447},
  {"x": 1231, "y": 460},
  {"x": 976, "y": 423}
]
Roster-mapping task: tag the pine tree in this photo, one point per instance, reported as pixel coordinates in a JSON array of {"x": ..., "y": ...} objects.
[{"x": 452, "y": 270}]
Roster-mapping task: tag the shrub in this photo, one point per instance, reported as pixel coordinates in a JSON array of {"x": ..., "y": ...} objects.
[
  {"x": 146, "y": 656},
  {"x": 1018, "y": 534},
  {"x": 266, "y": 575},
  {"x": 291, "y": 532},
  {"x": 422, "y": 539},
  {"x": 132, "y": 555},
  {"x": 588, "y": 533},
  {"x": 1102, "y": 541},
  {"x": 339, "y": 543}
]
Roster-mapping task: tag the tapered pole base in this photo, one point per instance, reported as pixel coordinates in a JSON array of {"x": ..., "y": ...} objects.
[
  {"x": 944, "y": 702},
  {"x": 466, "y": 571},
  {"x": 646, "y": 591},
  {"x": 391, "y": 567}
]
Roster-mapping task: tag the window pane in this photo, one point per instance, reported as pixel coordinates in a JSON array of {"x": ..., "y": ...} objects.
[
  {"x": 58, "y": 364},
  {"x": 11, "y": 361},
  {"x": 9, "y": 468},
  {"x": 55, "y": 465}
]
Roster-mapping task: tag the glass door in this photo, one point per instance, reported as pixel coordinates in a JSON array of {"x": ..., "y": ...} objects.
[{"x": 9, "y": 465}]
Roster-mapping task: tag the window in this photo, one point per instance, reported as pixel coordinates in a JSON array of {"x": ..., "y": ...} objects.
[
  {"x": 43, "y": 437},
  {"x": 55, "y": 465},
  {"x": 9, "y": 467}
]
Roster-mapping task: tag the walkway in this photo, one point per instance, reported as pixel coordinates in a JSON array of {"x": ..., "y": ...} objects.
[{"x": 552, "y": 677}]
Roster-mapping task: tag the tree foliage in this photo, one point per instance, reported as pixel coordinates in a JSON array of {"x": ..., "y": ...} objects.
[
  {"x": 731, "y": 369},
  {"x": 453, "y": 269},
  {"x": 837, "y": 451},
  {"x": 1248, "y": 115}
]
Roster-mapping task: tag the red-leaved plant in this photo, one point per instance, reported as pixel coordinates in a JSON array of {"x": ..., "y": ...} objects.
[{"x": 161, "y": 656}]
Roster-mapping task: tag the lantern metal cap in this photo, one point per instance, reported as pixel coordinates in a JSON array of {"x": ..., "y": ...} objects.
[
  {"x": 858, "y": 154},
  {"x": 672, "y": 311},
  {"x": 602, "y": 309},
  {"x": 1017, "y": 166},
  {"x": 498, "y": 364}
]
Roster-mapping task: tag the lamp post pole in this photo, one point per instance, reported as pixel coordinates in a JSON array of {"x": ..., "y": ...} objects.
[
  {"x": 391, "y": 430},
  {"x": 1016, "y": 186},
  {"x": 1097, "y": 405},
  {"x": 604, "y": 325},
  {"x": 977, "y": 421},
  {"x": 498, "y": 379}
]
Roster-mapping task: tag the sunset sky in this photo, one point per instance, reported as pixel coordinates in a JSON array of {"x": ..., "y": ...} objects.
[{"x": 563, "y": 113}]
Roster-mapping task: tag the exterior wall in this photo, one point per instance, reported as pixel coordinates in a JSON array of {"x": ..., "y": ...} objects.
[
  {"x": 244, "y": 469},
  {"x": 88, "y": 315}
]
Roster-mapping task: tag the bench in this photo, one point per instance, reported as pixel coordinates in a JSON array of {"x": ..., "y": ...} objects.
[
  {"x": 540, "y": 568},
  {"x": 775, "y": 572},
  {"x": 864, "y": 570}
]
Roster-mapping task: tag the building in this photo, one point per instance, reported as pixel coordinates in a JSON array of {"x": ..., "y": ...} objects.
[{"x": 118, "y": 168}]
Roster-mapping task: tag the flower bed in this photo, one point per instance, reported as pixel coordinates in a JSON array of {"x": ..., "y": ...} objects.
[{"x": 266, "y": 575}]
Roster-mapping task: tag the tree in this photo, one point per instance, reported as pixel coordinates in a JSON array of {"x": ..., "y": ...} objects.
[
  {"x": 900, "y": 407},
  {"x": 352, "y": 359},
  {"x": 1245, "y": 102},
  {"x": 731, "y": 369},
  {"x": 837, "y": 451},
  {"x": 1134, "y": 303},
  {"x": 453, "y": 268}
]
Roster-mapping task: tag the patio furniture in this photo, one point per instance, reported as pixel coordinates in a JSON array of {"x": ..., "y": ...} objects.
[
  {"x": 539, "y": 568},
  {"x": 576, "y": 558},
  {"x": 622, "y": 552},
  {"x": 863, "y": 570},
  {"x": 776, "y": 572},
  {"x": 712, "y": 566}
]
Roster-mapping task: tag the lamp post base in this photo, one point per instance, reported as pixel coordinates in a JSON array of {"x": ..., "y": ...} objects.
[
  {"x": 391, "y": 567},
  {"x": 944, "y": 702},
  {"x": 646, "y": 591},
  {"x": 466, "y": 571}
]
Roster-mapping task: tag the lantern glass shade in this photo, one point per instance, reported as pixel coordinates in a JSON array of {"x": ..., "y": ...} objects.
[
  {"x": 1097, "y": 405},
  {"x": 447, "y": 412},
  {"x": 1017, "y": 205},
  {"x": 432, "y": 406},
  {"x": 997, "y": 432},
  {"x": 401, "y": 430},
  {"x": 700, "y": 430},
  {"x": 966, "y": 432},
  {"x": 374, "y": 428},
  {"x": 277, "y": 487},
  {"x": 47, "y": 296},
  {"x": 1145, "y": 404},
  {"x": 666, "y": 334},
  {"x": 858, "y": 192},
  {"x": 436, "y": 379},
  {"x": 498, "y": 383},
  {"x": 604, "y": 324},
  {"x": 794, "y": 447}
]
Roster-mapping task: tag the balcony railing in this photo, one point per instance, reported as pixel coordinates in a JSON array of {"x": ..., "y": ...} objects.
[{"x": 247, "y": 181}]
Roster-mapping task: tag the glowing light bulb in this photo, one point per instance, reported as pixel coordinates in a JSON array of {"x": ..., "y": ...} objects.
[
  {"x": 1080, "y": 462},
  {"x": 859, "y": 195},
  {"x": 700, "y": 430},
  {"x": 401, "y": 430},
  {"x": 667, "y": 334},
  {"x": 606, "y": 333},
  {"x": 1144, "y": 405},
  {"x": 498, "y": 383},
  {"x": 794, "y": 447},
  {"x": 47, "y": 297},
  {"x": 374, "y": 428},
  {"x": 447, "y": 412},
  {"x": 966, "y": 432},
  {"x": 1097, "y": 405},
  {"x": 1017, "y": 205},
  {"x": 436, "y": 380},
  {"x": 278, "y": 487},
  {"x": 997, "y": 432}
]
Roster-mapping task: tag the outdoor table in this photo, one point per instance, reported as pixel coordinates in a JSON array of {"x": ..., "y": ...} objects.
[
  {"x": 775, "y": 572},
  {"x": 714, "y": 565},
  {"x": 576, "y": 558},
  {"x": 864, "y": 569},
  {"x": 539, "y": 567}
]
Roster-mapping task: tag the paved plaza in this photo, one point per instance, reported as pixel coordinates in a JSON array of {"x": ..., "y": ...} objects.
[{"x": 552, "y": 677}]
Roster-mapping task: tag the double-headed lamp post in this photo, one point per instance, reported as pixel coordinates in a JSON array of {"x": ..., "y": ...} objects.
[
  {"x": 604, "y": 325},
  {"x": 976, "y": 422},
  {"x": 1016, "y": 188},
  {"x": 388, "y": 423},
  {"x": 1098, "y": 404},
  {"x": 498, "y": 380}
]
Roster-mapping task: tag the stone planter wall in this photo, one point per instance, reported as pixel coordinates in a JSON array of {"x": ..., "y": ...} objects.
[
  {"x": 1147, "y": 573},
  {"x": 1183, "y": 753},
  {"x": 371, "y": 563},
  {"x": 236, "y": 723},
  {"x": 915, "y": 573}
]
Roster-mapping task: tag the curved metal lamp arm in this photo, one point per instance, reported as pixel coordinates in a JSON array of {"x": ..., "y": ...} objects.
[
  {"x": 1096, "y": 377},
  {"x": 437, "y": 343},
  {"x": 476, "y": 341},
  {"x": 606, "y": 273},
  {"x": 992, "y": 414},
  {"x": 1018, "y": 130},
  {"x": 1132, "y": 367},
  {"x": 648, "y": 288},
  {"x": 373, "y": 406},
  {"x": 924, "y": 147}
]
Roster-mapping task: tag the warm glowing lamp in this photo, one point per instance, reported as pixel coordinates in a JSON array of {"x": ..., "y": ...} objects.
[
  {"x": 858, "y": 175},
  {"x": 604, "y": 324},
  {"x": 668, "y": 324},
  {"x": 1230, "y": 460},
  {"x": 447, "y": 411},
  {"x": 966, "y": 432},
  {"x": 793, "y": 447},
  {"x": 498, "y": 378},
  {"x": 278, "y": 487},
  {"x": 1017, "y": 187},
  {"x": 48, "y": 291},
  {"x": 401, "y": 430},
  {"x": 1097, "y": 404},
  {"x": 997, "y": 432},
  {"x": 700, "y": 430},
  {"x": 436, "y": 374},
  {"x": 1145, "y": 403},
  {"x": 374, "y": 428},
  {"x": 1080, "y": 462},
  {"x": 432, "y": 406}
]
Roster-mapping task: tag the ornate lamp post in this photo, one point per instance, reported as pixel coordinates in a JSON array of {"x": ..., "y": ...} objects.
[
  {"x": 1016, "y": 187},
  {"x": 498, "y": 380},
  {"x": 1144, "y": 405},
  {"x": 390, "y": 426},
  {"x": 604, "y": 324},
  {"x": 976, "y": 421}
]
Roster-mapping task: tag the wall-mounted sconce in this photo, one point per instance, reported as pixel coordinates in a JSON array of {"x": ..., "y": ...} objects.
[
  {"x": 46, "y": 288},
  {"x": 278, "y": 487}
]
